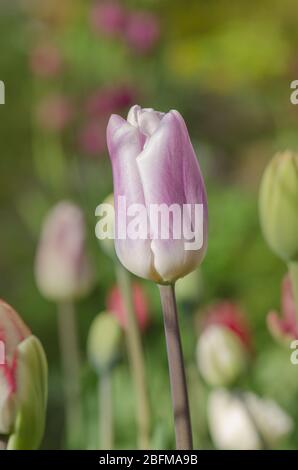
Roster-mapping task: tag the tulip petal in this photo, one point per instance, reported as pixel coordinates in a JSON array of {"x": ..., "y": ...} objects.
[
  {"x": 125, "y": 142},
  {"x": 170, "y": 174}
]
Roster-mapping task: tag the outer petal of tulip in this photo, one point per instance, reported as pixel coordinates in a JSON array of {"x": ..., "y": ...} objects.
[
  {"x": 31, "y": 381},
  {"x": 170, "y": 174},
  {"x": 125, "y": 142},
  {"x": 12, "y": 332}
]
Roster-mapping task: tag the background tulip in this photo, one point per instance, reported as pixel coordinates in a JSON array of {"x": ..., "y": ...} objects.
[
  {"x": 103, "y": 341},
  {"x": 221, "y": 356},
  {"x": 115, "y": 305},
  {"x": 284, "y": 327},
  {"x": 23, "y": 383},
  {"x": 279, "y": 205},
  {"x": 224, "y": 346},
  {"x": 154, "y": 163},
  {"x": 279, "y": 211},
  {"x": 63, "y": 270},
  {"x": 245, "y": 421}
]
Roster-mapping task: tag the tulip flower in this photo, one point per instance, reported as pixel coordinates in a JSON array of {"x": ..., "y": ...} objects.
[
  {"x": 228, "y": 314},
  {"x": 155, "y": 167},
  {"x": 279, "y": 210},
  {"x": 115, "y": 305},
  {"x": 245, "y": 421},
  {"x": 224, "y": 346},
  {"x": 285, "y": 327},
  {"x": 63, "y": 274},
  {"x": 23, "y": 383},
  {"x": 62, "y": 269},
  {"x": 153, "y": 164},
  {"x": 221, "y": 356}
]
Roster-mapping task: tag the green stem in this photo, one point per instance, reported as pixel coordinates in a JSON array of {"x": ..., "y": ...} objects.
[
  {"x": 176, "y": 368},
  {"x": 70, "y": 358},
  {"x": 105, "y": 411},
  {"x": 293, "y": 268},
  {"x": 136, "y": 359}
]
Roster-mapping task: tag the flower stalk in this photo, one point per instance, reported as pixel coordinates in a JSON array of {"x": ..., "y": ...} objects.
[
  {"x": 70, "y": 358},
  {"x": 136, "y": 359},
  {"x": 176, "y": 368},
  {"x": 105, "y": 404}
]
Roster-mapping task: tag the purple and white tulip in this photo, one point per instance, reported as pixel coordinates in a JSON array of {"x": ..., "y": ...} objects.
[{"x": 154, "y": 163}]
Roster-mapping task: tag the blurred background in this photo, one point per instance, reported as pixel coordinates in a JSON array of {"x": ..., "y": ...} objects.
[{"x": 227, "y": 67}]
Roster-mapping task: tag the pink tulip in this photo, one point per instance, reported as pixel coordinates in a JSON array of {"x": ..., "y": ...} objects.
[
  {"x": 115, "y": 305},
  {"x": 154, "y": 163},
  {"x": 142, "y": 31},
  {"x": 108, "y": 17},
  {"x": 62, "y": 268},
  {"x": 285, "y": 326},
  {"x": 12, "y": 332},
  {"x": 45, "y": 61},
  {"x": 229, "y": 315}
]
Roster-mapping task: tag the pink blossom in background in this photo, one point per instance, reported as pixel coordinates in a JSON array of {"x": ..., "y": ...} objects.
[
  {"x": 229, "y": 315},
  {"x": 142, "y": 31},
  {"x": 108, "y": 17},
  {"x": 46, "y": 61},
  {"x": 107, "y": 100},
  {"x": 284, "y": 326},
  {"x": 92, "y": 138},
  {"x": 116, "y": 306},
  {"x": 54, "y": 112}
]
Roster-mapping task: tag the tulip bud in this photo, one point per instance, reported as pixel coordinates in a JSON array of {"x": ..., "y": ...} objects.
[
  {"x": 23, "y": 383},
  {"x": 279, "y": 205},
  {"x": 115, "y": 305},
  {"x": 245, "y": 421},
  {"x": 221, "y": 356},
  {"x": 156, "y": 173},
  {"x": 284, "y": 328},
  {"x": 224, "y": 346},
  {"x": 103, "y": 341},
  {"x": 63, "y": 270}
]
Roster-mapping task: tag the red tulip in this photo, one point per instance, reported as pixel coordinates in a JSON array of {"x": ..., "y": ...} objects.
[
  {"x": 284, "y": 326},
  {"x": 229, "y": 315},
  {"x": 115, "y": 305}
]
